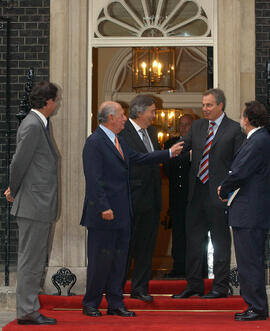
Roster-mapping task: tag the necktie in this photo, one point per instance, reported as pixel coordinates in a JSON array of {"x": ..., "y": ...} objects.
[
  {"x": 117, "y": 145},
  {"x": 203, "y": 170},
  {"x": 146, "y": 140},
  {"x": 48, "y": 125}
]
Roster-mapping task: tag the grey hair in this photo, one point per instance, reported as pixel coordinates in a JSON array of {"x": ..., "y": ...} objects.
[
  {"x": 139, "y": 104},
  {"x": 218, "y": 94},
  {"x": 106, "y": 108}
]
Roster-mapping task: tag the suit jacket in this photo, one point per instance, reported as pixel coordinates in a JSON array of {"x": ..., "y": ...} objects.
[
  {"x": 33, "y": 172},
  {"x": 107, "y": 180},
  {"x": 145, "y": 180},
  {"x": 226, "y": 142},
  {"x": 250, "y": 171},
  {"x": 177, "y": 171}
]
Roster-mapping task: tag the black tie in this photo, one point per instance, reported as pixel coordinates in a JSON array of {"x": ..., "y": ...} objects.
[{"x": 48, "y": 125}]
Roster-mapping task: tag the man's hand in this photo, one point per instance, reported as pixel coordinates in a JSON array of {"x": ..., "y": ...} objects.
[
  {"x": 176, "y": 149},
  {"x": 107, "y": 215},
  {"x": 218, "y": 193},
  {"x": 8, "y": 195}
]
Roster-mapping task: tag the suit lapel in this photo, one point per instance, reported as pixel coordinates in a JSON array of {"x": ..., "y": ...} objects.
[
  {"x": 135, "y": 137},
  {"x": 153, "y": 138},
  {"x": 221, "y": 130},
  {"x": 110, "y": 144},
  {"x": 246, "y": 141},
  {"x": 202, "y": 135},
  {"x": 47, "y": 135}
]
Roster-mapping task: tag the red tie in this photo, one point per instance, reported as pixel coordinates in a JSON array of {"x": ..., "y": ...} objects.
[
  {"x": 117, "y": 145},
  {"x": 204, "y": 171}
]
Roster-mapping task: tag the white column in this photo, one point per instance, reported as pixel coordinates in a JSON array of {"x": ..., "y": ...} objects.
[
  {"x": 236, "y": 53},
  {"x": 236, "y": 59},
  {"x": 68, "y": 68}
]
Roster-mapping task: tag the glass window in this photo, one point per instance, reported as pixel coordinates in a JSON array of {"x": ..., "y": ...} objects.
[{"x": 152, "y": 18}]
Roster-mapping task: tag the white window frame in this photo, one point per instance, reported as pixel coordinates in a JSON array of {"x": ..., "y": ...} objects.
[{"x": 95, "y": 7}]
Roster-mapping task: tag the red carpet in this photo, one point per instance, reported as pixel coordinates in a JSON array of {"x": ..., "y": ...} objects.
[{"x": 163, "y": 314}]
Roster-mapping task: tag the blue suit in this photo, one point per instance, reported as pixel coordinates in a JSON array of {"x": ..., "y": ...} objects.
[
  {"x": 107, "y": 187},
  {"x": 249, "y": 215}
]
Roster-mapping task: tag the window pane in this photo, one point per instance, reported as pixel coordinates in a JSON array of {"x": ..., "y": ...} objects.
[
  {"x": 116, "y": 10},
  {"x": 110, "y": 29},
  {"x": 141, "y": 17},
  {"x": 195, "y": 28}
]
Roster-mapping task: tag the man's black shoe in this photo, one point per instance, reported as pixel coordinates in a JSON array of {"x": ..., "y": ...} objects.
[
  {"x": 91, "y": 311},
  {"x": 250, "y": 315},
  {"x": 121, "y": 312},
  {"x": 214, "y": 295},
  {"x": 142, "y": 297},
  {"x": 40, "y": 320},
  {"x": 186, "y": 294},
  {"x": 243, "y": 313}
]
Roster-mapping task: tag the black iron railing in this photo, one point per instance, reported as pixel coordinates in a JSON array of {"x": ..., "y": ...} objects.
[{"x": 24, "y": 108}]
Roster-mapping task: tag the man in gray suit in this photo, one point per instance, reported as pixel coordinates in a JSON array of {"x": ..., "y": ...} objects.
[
  {"x": 213, "y": 140},
  {"x": 33, "y": 189}
]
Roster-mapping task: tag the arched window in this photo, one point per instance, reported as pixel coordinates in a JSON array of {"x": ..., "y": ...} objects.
[{"x": 152, "y": 18}]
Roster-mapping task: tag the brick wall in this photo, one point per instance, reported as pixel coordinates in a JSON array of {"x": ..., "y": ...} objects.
[
  {"x": 29, "y": 47},
  {"x": 262, "y": 48}
]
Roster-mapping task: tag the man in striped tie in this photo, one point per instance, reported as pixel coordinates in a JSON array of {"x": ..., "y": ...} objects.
[{"x": 212, "y": 142}]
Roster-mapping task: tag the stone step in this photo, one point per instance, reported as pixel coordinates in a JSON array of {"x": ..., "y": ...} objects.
[
  {"x": 12, "y": 278},
  {"x": 7, "y": 298}
]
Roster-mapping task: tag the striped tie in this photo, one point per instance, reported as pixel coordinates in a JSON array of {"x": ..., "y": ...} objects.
[{"x": 204, "y": 172}]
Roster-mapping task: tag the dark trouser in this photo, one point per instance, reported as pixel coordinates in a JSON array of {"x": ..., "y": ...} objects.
[
  {"x": 178, "y": 217},
  {"x": 32, "y": 257},
  {"x": 249, "y": 251},
  {"x": 107, "y": 257},
  {"x": 144, "y": 232},
  {"x": 203, "y": 216}
]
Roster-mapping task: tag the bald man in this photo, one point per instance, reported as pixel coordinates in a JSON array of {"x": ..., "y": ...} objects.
[{"x": 107, "y": 208}]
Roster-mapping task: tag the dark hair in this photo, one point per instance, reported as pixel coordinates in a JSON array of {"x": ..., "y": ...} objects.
[
  {"x": 41, "y": 93},
  {"x": 256, "y": 113},
  {"x": 139, "y": 104},
  {"x": 218, "y": 94}
]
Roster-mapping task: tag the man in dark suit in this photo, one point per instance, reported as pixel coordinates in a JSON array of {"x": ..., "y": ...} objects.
[
  {"x": 145, "y": 186},
  {"x": 177, "y": 171},
  {"x": 214, "y": 141},
  {"x": 33, "y": 191},
  {"x": 249, "y": 211},
  {"x": 107, "y": 208}
]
